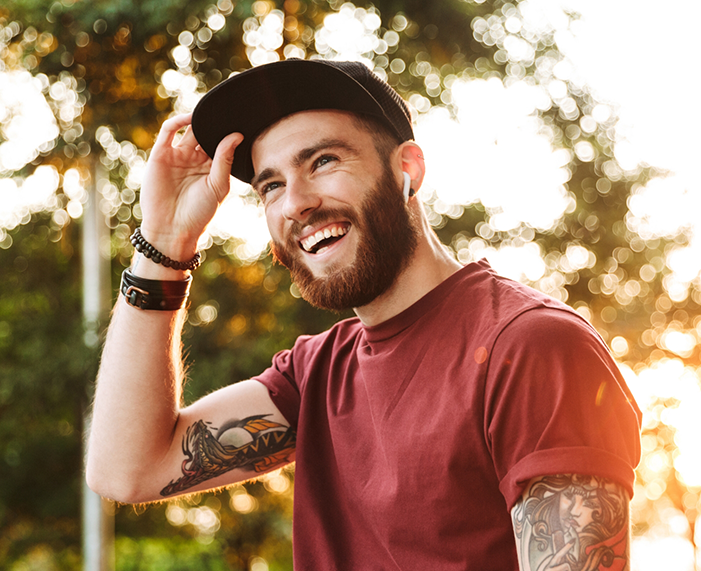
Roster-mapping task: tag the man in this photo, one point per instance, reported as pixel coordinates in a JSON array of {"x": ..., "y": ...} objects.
[{"x": 455, "y": 398}]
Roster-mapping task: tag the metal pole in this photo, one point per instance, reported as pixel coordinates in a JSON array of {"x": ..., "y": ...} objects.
[{"x": 98, "y": 518}]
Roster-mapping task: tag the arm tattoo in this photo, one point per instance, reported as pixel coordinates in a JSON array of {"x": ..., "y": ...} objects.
[
  {"x": 254, "y": 443},
  {"x": 572, "y": 523}
]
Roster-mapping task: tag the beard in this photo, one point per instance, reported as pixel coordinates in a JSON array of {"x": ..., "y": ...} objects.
[{"x": 388, "y": 236}]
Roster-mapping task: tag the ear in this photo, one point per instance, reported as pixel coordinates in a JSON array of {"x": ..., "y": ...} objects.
[{"x": 412, "y": 162}]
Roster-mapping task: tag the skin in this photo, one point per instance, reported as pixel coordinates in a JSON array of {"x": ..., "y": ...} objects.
[
  {"x": 292, "y": 190},
  {"x": 140, "y": 430},
  {"x": 144, "y": 445},
  {"x": 572, "y": 523}
]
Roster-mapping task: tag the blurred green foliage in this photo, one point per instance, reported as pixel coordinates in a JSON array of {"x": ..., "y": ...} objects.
[{"x": 116, "y": 51}]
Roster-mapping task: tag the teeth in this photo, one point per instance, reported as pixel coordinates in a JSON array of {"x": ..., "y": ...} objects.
[{"x": 334, "y": 231}]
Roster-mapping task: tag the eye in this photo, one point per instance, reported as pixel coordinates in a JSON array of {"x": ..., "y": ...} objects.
[
  {"x": 324, "y": 160},
  {"x": 269, "y": 187}
]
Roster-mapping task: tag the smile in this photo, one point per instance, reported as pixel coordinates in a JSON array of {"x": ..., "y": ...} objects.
[{"x": 322, "y": 239}]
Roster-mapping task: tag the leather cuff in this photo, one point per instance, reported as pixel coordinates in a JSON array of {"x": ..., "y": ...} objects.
[{"x": 165, "y": 295}]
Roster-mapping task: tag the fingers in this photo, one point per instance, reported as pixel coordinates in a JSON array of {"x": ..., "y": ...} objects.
[
  {"x": 170, "y": 127},
  {"x": 221, "y": 164},
  {"x": 188, "y": 140}
]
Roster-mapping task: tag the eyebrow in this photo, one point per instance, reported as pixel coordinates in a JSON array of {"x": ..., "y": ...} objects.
[{"x": 302, "y": 156}]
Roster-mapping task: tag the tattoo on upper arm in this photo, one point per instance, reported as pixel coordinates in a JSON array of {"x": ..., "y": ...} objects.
[
  {"x": 254, "y": 443},
  {"x": 572, "y": 523}
]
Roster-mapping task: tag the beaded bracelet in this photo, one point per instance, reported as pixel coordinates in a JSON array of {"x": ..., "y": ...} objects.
[{"x": 141, "y": 245}]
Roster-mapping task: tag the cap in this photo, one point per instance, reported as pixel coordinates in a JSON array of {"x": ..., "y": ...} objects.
[{"x": 251, "y": 101}]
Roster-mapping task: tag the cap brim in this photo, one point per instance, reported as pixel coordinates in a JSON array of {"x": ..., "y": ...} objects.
[{"x": 251, "y": 101}]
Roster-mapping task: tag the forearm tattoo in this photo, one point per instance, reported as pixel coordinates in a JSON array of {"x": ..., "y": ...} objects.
[
  {"x": 254, "y": 444},
  {"x": 572, "y": 523}
]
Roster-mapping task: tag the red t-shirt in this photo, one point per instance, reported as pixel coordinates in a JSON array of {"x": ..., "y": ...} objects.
[{"x": 416, "y": 436}]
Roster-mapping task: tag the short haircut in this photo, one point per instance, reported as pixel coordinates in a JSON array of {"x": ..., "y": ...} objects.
[{"x": 383, "y": 136}]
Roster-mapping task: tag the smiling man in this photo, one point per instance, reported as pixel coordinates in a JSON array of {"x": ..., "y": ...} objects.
[{"x": 461, "y": 421}]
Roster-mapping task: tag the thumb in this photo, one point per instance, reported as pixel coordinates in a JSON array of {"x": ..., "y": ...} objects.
[{"x": 221, "y": 164}]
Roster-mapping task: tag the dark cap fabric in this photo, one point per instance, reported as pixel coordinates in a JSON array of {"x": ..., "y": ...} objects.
[{"x": 253, "y": 100}]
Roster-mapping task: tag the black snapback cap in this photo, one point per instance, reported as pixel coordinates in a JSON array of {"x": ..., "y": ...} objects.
[{"x": 251, "y": 101}]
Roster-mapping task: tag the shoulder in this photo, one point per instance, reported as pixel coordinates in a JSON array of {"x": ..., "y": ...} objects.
[
  {"x": 553, "y": 324},
  {"x": 499, "y": 300},
  {"x": 550, "y": 346}
]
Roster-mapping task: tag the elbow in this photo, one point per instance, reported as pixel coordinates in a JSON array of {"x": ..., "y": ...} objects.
[
  {"x": 122, "y": 488},
  {"x": 97, "y": 483},
  {"x": 106, "y": 485}
]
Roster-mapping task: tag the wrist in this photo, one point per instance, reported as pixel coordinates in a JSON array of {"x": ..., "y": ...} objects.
[
  {"x": 175, "y": 246},
  {"x": 148, "y": 250},
  {"x": 142, "y": 267}
]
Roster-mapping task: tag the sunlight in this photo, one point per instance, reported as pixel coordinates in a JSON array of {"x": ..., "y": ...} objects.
[
  {"x": 663, "y": 207},
  {"x": 670, "y": 379},
  {"x": 656, "y": 117},
  {"x": 36, "y": 193},
  {"x": 668, "y": 553},
  {"x": 27, "y": 123},
  {"x": 349, "y": 34},
  {"x": 496, "y": 155}
]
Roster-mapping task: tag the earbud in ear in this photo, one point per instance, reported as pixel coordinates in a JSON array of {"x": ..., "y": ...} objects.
[{"x": 408, "y": 191}]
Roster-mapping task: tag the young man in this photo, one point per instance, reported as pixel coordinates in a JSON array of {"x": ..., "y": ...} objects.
[{"x": 454, "y": 399}]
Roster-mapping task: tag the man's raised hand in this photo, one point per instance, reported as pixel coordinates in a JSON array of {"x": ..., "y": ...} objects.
[{"x": 183, "y": 187}]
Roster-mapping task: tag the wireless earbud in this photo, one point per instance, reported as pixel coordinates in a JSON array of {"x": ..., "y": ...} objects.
[{"x": 408, "y": 191}]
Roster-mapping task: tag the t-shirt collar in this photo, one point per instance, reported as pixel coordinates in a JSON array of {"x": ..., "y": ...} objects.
[{"x": 428, "y": 302}]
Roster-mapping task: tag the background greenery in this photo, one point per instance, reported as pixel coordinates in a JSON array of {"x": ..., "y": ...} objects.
[{"x": 113, "y": 54}]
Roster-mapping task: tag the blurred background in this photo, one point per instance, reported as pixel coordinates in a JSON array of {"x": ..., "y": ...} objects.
[{"x": 559, "y": 137}]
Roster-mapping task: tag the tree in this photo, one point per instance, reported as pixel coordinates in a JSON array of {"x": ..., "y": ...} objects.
[{"x": 111, "y": 72}]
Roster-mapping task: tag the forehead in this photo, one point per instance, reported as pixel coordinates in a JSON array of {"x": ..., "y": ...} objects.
[{"x": 300, "y": 129}]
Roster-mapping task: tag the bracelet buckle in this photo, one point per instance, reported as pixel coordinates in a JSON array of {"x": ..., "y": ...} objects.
[{"x": 136, "y": 296}]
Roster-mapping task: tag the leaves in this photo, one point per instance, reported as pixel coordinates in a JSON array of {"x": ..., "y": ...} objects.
[{"x": 109, "y": 73}]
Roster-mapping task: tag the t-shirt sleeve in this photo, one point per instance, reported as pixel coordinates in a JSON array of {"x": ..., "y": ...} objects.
[
  {"x": 556, "y": 403},
  {"x": 279, "y": 379}
]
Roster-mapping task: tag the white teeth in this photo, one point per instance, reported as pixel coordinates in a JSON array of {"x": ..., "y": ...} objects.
[{"x": 311, "y": 241}]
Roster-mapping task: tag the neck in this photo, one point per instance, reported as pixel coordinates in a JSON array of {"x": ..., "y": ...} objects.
[{"x": 429, "y": 266}]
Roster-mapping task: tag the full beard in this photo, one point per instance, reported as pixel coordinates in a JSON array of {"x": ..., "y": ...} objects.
[{"x": 388, "y": 236}]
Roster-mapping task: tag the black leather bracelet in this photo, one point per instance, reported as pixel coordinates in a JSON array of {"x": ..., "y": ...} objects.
[{"x": 165, "y": 295}]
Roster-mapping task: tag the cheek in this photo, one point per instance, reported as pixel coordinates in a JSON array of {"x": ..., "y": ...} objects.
[{"x": 274, "y": 221}]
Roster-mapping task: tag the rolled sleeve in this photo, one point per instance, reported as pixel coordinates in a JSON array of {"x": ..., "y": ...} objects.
[{"x": 556, "y": 403}]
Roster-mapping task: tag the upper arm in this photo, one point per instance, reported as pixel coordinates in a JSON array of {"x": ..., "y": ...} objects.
[
  {"x": 230, "y": 435},
  {"x": 572, "y": 522}
]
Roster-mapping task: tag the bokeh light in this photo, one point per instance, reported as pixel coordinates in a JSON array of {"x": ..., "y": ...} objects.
[
  {"x": 27, "y": 123},
  {"x": 495, "y": 153},
  {"x": 486, "y": 146}
]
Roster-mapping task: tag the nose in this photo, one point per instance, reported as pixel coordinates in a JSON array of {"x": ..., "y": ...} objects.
[{"x": 300, "y": 200}]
